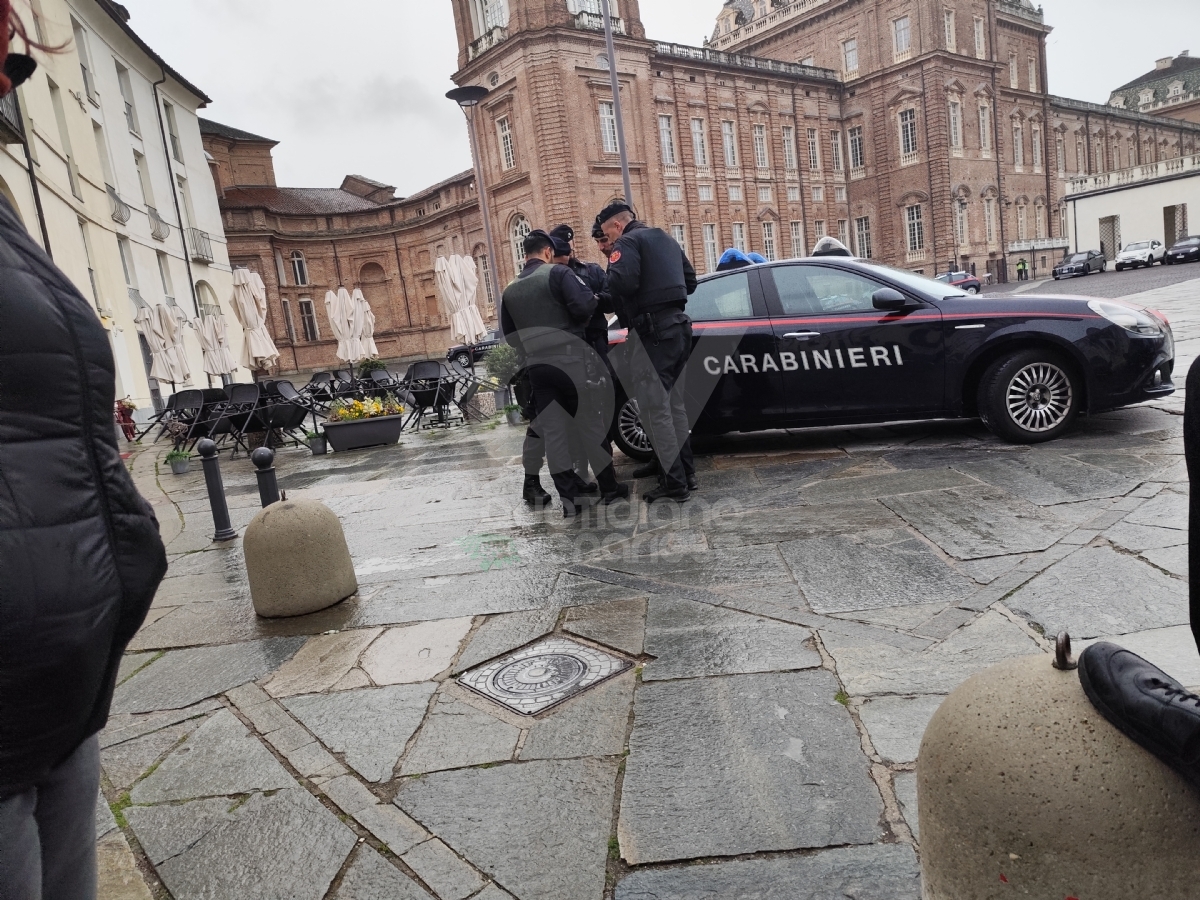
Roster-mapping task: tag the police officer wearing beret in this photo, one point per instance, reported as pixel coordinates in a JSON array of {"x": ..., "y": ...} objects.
[
  {"x": 650, "y": 279},
  {"x": 544, "y": 314}
]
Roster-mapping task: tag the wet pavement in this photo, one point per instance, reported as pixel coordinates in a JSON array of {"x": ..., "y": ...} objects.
[{"x": 784, "y": 639}]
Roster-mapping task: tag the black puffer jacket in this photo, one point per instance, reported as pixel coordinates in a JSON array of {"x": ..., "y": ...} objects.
[{"x": 80, "y": 555}]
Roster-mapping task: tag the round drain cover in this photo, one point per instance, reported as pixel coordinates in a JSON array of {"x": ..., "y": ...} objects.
[{"x": 542, "y": 674}]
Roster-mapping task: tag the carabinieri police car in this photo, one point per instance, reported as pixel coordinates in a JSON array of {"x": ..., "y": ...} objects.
[{"x": 838, "y": 341}]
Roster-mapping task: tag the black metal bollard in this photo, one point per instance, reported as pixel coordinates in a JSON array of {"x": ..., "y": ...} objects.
[
  {"x": 211, "y": 460},
  {"x": 268, "y": 484}
]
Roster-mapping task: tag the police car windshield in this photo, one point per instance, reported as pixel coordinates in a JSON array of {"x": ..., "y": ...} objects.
[{"x": 917, "y": 282}]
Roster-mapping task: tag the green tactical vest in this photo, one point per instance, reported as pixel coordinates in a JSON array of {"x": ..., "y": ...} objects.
[{"x": 545, "y": 326}]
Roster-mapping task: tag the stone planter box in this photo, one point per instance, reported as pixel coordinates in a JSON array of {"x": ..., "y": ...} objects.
[{"x": 377, "y": 432}]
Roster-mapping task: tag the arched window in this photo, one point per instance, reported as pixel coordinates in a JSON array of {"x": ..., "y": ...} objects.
[
  {"x": 520, "y": 231},
  {"x": 299, "y": 268},
  {"x": 209, "y": 305}
]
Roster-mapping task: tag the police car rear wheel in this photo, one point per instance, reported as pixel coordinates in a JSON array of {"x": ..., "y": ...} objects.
[
  {"x": 629, "y": 435},
  {"x": 1029, "y": 397}
]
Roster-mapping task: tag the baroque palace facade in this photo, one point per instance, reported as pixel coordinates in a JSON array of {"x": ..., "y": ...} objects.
[{"x": 920, "y": 132}]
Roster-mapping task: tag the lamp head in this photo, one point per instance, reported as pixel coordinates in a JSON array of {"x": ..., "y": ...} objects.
[{"x": 468, "y": 96}]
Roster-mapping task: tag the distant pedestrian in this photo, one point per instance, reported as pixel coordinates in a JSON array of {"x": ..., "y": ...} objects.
[
  {"x": 1022, "y": 270},
  {"x": 80, "y": 559}
]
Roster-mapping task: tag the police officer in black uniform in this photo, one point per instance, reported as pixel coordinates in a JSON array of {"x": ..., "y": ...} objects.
[
  {"x": 650, "y": 278},
  {"x": 544, "y": 314}
]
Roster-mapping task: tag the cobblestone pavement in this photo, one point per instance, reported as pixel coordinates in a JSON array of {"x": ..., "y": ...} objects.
[{"x": 778, "y": 646}]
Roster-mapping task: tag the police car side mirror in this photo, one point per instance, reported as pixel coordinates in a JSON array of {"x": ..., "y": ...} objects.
[{"x": 889, "y": 299}]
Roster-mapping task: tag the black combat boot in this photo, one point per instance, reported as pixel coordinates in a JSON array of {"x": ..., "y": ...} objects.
[
  {"x": 1145, "y": 703},
  {"x": 649, "y": 470},
  {"x": 620, "y": 493},
  {"x": 662, "y": 492},
  {"x": 534, "y": 494}
]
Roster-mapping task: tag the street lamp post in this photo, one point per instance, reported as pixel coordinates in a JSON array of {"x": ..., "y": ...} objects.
[
  {"x": 616, "y": 89},
  {"x": 469, "y": 98}
]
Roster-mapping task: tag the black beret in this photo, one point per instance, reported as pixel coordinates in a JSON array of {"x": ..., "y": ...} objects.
[
  {"x": 613, "y": 209},
  {"x": 597, "y": 231},
  {"x": 563, "y": 233},
  {"x": 561, "y": 247}
]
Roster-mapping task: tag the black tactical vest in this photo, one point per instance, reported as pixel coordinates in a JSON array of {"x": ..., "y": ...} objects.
[{"x": 546, "y": 328}]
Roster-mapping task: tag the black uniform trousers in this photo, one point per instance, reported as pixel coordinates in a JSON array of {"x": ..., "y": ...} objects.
[
  {"x": 1191, "y": 450},
  {"x": 658, "y": 362}
]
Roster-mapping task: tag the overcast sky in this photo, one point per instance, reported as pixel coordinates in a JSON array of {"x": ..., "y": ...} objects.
[{"x": 357, "y": 86}]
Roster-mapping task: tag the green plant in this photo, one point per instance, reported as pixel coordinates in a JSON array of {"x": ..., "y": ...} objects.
[
  {"x": 178, "y": 455},
  {"x": 842, "y": 697},
  {"x": 356, "y": 410},
  {"x": 367, "y": 366},
  {"x": 502, "y": 363},
  {"x": 313, "y": 436},
  {"x": 512, "y": 407}
]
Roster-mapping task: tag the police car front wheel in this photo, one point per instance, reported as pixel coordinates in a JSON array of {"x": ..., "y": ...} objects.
[
  {"x": 628, "y": 433},
  {"x": 1029, "y": 397}
]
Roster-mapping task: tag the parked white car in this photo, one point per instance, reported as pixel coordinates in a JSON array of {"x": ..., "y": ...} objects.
[{"x": 1143, "y": 253}]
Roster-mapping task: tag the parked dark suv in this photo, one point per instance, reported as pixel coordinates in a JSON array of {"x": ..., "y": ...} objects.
[
  {"x": 1083, "y": 263},
  {"x": 467, "y": 355}
]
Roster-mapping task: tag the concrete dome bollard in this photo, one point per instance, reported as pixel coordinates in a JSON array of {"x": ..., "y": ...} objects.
[
  {"x": 297, "y": 559},
  {"x": 1025, "y": 790}
]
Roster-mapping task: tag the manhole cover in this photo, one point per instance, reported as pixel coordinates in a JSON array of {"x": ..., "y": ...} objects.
[{"x": 532, "y": 680}]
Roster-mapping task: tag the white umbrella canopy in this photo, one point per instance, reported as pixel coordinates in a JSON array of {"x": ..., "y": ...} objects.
[
  {"x": 214, "y": 346},
  {"x": 250, "y": 306},
  {"x": 366, "y": 331},
  {"x": 458, "y": 281},
  {"x": 340, "y": 309},
  {"x": 174, "y": 355},
  {"x": 148, "y": 324}
]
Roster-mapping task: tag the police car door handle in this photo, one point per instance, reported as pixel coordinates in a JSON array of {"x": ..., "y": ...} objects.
[
  {"x": 801, "y": 335},
  {"x": 968, "y": 327}
]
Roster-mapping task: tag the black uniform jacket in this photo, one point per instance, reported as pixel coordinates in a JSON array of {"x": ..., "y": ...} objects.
[
  {"x": 80, "y": 555},
  {"x": 649, "y": 271}
]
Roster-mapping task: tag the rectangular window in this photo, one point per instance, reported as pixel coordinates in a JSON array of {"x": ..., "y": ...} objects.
[
  {"x": 956, "y": 131},
  {"x": 1033, "y": 75},
  {"x": 508, "y": 149},
  {"x": 761, "y": 160},
  {"x": 299, "y": 269},
  {"x": 735, "y": 193},
  {"x": 288, "y": 325},
  {"x": 485, "y": 275},
  {"x": 819, "y": 227},
  {"x": 989, "y": 220},
  {"x": 1100, "y": 158},
  {"x": 677, "y": 232},
  {"x": 914, "y": 223},
  {"x": 102, "y": 152},
  {"x": 793, "y": 194},
  {"x": 818, "y": 194},
  {"x": 706, "y": 193},
  {"x": 85, "y": 62},
  {"x": 764, "y": 194},
  {"x": 1035, "y": 134},
  {"x": 699, "y": 142},
  {"x": 902, "y": 38},
  {"x": 164, "y": 275},
  {"x": 951, "y": 37},
  {"x": 980, "y": 40},
  {"x": 139, "y": 163},
  {"x": 729, "y": 142},
  {"x": 857, "y": 156},
  {"x": 985, "y": 128},
  {"x": 308, "y": 318},
  {"x": 839, "y": 194},
  {"x": 710, "y": 247},
  {"x": 797, "y": 229},
  {"x": 960, "y": 223},
  {"x": 1018, "y": 145},
  {"x": 127, "y": 263},
  {"x": 739, "y": 236},
  {"x": 280, "y": 271},
  {"x": 1039, "y": 221},
  {"x": 608, "y": 126},
  {"x": 87, "y": 255},
  {"x": 1022, "y": 225},
  {"x": 173, "y": 132},
  {"x": 835, "y": 145},
  {"x": 493, "y": 14},
  {"x": 1060, "y": 155},
  {"x": 131, "y": 116},
  {"x": 1079, "y": 167},
  {"x": 666, "y": 136},
  {"x": 862, "y": 236},
  {"x": 1014, "y": 80},
  {"x": 768, "y": 240},
  {"x": 64, "y": 137},
  {"x": 674, "y": 193},
  {"x": 789, "y": 148},
  {"x": 850, "y": 57},
  {"x": 814, "y": 150},
  {"x": 908, "y": 136}
]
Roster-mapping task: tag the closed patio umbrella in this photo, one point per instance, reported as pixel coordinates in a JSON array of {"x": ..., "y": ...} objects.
[
  {"x": 458, "y": 282},
  {"x": 214, "y": 346},
  {"x": 342, "y": 319},
  {"x": 148, "y": 324},
  {"x": 173, "y": 356},
  {"x": 365, "y": 320},
  {"x": 250, "y": 306}
]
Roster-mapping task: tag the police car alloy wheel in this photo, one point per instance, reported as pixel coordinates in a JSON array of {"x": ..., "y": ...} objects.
[
  {"x": 1029, "y": 397},
  {"x": 463, "y": 359},
  {"x": 629, "y": 434}
]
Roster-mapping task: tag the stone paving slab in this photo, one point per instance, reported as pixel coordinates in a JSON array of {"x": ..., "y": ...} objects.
[
  {"x": 504, "y": 633},
  {"x": 1047, "y": 479},
  {"x": 692, "y": 640},
  {"x": 126, "y": 762},
  {"x": 880, "y": 872},
  {"x": 688, "y": 791},
  {"x": 897, "y": 724},
  {"x": 371, "y": 877},
  {"x": 1131, "y": 596},
  {"x": 592, "y": 724},
  {"x": 905, "y": 785},
  {"x": 370, "y": 726},
  {"x": 438, "y": 866},
  {"x": 415, "y": 653},
  {"x": 892, "y": 484},
  {"x": 184, "y": 677},
  {"x": 221, "y": 852},
  {"x": 126, "y": 727},
  {"x": 455, "y": 735},
  {"x": 620, "y": 624},
  {"x": 119, "y": 878},
  {"x": 321, "y": 663},
  {"x": 540, "y": 829}
]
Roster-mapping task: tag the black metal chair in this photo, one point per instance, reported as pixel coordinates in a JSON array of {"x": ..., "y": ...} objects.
[
  {"x": 188, "y": 414},
  {"x": 320, "y": 386},
  {"x": 431, "y": 387},
  {"x": 242, "y": 414},
  {"x": 310, "y": 404},
  {"x": 166, "y": 414},
  {"x": 470, "y": 384}
]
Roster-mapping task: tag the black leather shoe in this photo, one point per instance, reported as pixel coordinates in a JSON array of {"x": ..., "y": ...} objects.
[
  {"x": 693, "y": 483},
  {"x": 533, "y": 493},
  {"x": 621, "y": 493},
  {"x": 589, "y": 487},
  {"x": 1145, "y": 703},
  {"x": 649, "y": 470},
  {"x": 572, "y": 508},
  {"x": 662, "y": 493}
]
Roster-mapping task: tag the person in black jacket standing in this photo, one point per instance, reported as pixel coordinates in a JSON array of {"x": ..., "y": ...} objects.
[
  {"x": 80, "y": 560},
  {"x": 544, "y": 314},
  {"x": 650, "y": 278}
]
